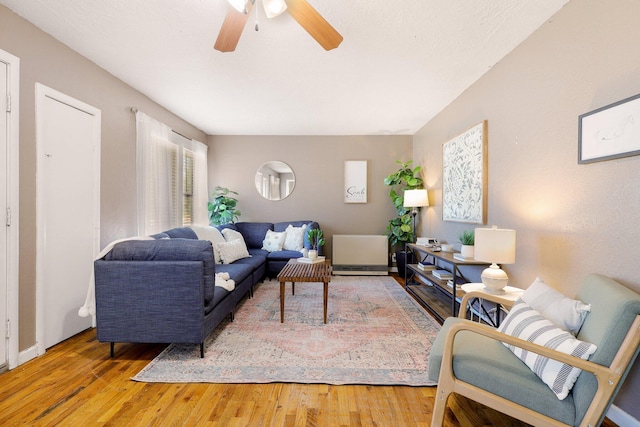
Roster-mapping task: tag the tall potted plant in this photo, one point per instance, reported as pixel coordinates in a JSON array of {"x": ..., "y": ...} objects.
[
  {"x": 222, "y": 206},
  {"x": 400, "y": 229}
]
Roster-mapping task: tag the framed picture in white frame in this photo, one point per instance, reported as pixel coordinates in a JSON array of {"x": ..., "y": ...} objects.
[
  {"x": 464, "y": 176},
  {"x": 610, "y": 132},
  {"x": 355, "y": 181}
]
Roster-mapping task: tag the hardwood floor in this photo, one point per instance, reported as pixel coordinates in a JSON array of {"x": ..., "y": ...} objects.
[{"x": 77, "y": 383}]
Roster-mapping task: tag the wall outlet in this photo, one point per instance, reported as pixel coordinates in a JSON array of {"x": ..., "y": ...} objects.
[{"x": 393, "y": 257}]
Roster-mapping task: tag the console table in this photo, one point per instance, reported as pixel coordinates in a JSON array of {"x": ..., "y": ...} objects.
[{"x": 441, "y": 297}]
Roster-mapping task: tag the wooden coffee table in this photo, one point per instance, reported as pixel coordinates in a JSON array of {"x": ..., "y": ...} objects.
[{"x": 295, "y": 271}]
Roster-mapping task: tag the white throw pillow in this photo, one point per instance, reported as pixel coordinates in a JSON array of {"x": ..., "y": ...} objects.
[
  {"x": 232, "y": 251},
  {"x": 295, "y": 238},
  {"x": 273, "y": 241},
  {"x": 564, "y": 312},
  {"x": 230, "y": 235},
  {"x": 211, "y": 234},
  {"x": 526, "y": 323}
]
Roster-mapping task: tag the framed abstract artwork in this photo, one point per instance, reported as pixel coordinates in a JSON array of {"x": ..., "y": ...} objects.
[
  {"x": 355, "y": 181},
  {"x": 610, "y": 132},
  {"x": 464, "y": 176}
]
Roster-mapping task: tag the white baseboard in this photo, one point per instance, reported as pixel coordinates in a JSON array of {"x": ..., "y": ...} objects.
[
  {"x": 393, "y": 269},
  {"x": 621, "y": 418},
  {"x": 28, "y": 354}
]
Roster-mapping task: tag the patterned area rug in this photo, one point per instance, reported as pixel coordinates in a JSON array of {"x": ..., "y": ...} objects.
[{"x": 375, "y": 334}]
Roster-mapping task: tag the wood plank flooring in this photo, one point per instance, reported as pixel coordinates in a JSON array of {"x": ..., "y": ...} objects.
[{"x": 76, "y": 383}]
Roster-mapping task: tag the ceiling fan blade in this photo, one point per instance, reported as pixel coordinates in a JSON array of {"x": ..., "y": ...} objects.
[
  {"x": 232, "y": 29},
  {"x": 314, "y": 24}
]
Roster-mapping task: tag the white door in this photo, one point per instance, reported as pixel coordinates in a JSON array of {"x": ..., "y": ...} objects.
[
  {"x": 68, "y": 206},
  {"x": 3, "y": 208}
]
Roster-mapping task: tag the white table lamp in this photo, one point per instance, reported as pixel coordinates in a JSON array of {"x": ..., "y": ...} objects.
[{"x": 497, "y": 246}]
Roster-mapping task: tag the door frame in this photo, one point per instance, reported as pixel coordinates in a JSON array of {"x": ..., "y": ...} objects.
[
  {"x": 13, "y": 191},
  {"x": 43, "y": 92}
]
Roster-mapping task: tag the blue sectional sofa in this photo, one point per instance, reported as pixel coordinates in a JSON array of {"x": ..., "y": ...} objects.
[{"x": 162, "y": 290}]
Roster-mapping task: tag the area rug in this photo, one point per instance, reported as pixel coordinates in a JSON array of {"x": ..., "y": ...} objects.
[{"x": 375, "y": 334}]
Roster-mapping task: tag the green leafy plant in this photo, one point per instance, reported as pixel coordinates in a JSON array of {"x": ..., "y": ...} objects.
[
  {"x": 222, "y": 206},
  {"x": 400, "y": 229},
  {"x": 467, "y": 237},
  {"x": 316, "y": 238}
]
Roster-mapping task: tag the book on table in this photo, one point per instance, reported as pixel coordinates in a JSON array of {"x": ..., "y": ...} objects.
[
  {"x": 426, "y": 266},
  {"x": 311, "y": 260},
  {"x": 442, "y": 274},
  {"x": 460, "y": 257}
]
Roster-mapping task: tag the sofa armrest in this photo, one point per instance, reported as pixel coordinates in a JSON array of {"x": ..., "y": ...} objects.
[{"x": 149, "y": 301}]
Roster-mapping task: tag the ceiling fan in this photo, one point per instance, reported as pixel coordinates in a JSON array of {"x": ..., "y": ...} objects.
[{"x": 300, "y": 10}]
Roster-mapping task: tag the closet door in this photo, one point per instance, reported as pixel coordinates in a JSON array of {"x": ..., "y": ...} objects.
[{"x": 68, "y": 192}]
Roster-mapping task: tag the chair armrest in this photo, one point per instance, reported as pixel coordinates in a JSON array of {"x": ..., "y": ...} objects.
[{"x": 498, "y": 299}]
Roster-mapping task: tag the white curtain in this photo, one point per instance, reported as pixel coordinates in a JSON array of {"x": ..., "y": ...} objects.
[
  {"x": 156, "y": 167},
  {"x": 200, "y": 178},
  {"x": 162, "y": 174}
]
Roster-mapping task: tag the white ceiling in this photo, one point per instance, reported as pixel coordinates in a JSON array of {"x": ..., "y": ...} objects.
[{"x": 401, "y": 61}]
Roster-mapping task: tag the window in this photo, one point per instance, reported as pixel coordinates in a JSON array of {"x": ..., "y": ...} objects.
[{"x": 172, "y": 178}]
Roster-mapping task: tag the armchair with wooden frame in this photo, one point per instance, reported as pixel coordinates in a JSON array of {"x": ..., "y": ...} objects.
[{"x": 468, "y": 358}]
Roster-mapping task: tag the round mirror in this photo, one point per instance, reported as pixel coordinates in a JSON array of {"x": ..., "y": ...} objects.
[{"x": 275, "y": 180}]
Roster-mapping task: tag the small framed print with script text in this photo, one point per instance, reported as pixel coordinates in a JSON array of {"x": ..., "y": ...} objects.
[{"x": 355, "y": 181}]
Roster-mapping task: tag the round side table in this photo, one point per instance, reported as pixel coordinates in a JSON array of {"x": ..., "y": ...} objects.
[{"x": 510, "y": 293}]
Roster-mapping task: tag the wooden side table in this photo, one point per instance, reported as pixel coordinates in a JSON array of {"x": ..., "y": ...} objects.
[
  {"x": 295, "y": 271},
  {"x": 511, "y": 294}
]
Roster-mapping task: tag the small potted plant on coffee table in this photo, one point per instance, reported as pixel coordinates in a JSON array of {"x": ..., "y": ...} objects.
[{"x": 316, "y": 240}]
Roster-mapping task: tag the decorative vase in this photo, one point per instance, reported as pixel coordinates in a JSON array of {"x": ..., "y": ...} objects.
[
  {"x": 467, "y": 251},
  {"x": 313, "y": 253}
]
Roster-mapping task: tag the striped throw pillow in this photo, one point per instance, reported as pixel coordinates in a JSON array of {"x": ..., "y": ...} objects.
[{"x": 526, "y": 323}]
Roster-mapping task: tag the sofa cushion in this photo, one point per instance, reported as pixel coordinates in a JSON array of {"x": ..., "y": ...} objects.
[
  {"x": 218, "y": 295},
  {"x": 283, "y": 255},
  {"x": 254, "y": 232},
  {"x": 170, "y": 250},
  {"x": 237, "y": 271},
  {"x": 527, "y": 324}
]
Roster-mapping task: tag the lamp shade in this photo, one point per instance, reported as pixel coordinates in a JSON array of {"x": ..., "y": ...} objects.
[
  {"x": 415, "y": 198},
  {"x": 273, "y": 8},
  {"x": 495, "y": 245}
]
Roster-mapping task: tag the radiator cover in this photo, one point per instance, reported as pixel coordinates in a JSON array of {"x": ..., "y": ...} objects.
[{"x": 360, "y": 255}]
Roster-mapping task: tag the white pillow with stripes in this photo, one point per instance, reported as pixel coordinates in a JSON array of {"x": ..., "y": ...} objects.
[{"x": 526, "y": 323}]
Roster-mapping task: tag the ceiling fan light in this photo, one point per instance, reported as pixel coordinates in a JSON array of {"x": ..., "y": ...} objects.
[
  {"x": 273, "y": 8},
  {"x": 239, "y": 5}
]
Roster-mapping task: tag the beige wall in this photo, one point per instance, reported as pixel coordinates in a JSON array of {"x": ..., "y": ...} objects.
[
  {"x": 45, "y": 60},
  {"x": 318, "y": 164},
  {"x": 570, "y": 219}
]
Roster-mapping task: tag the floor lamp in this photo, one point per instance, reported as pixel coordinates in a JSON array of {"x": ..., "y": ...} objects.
[{"x": 415, "y": 199}]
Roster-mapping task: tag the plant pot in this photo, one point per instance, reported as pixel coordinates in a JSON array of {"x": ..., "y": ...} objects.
[
  {"x": 467, "y": 251},
  {"x": 402, "y": 259},
  {"x": 313, "y": 254}
]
